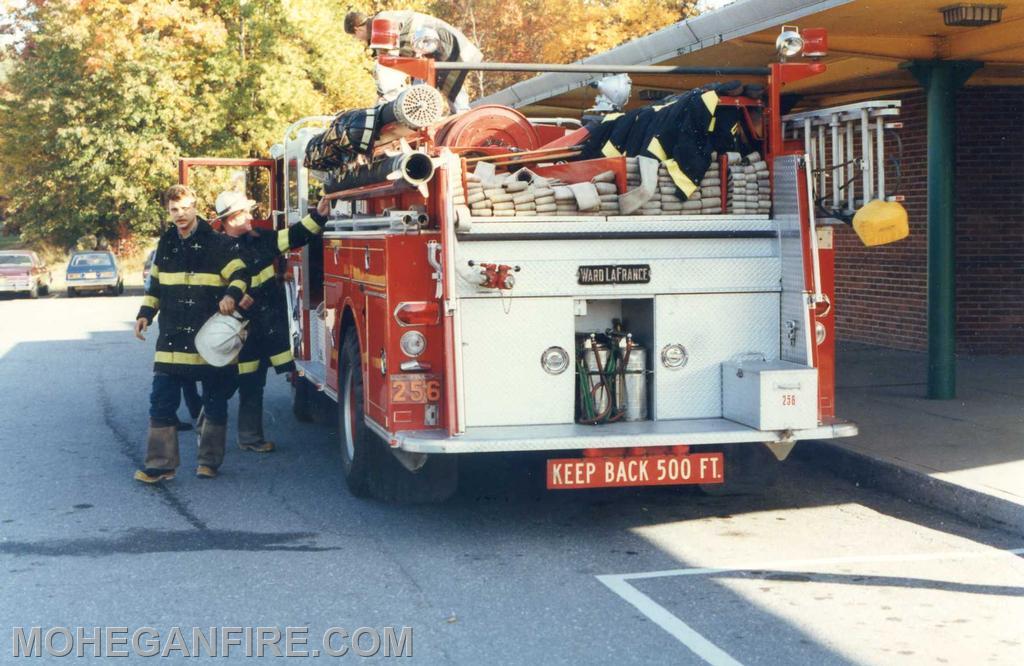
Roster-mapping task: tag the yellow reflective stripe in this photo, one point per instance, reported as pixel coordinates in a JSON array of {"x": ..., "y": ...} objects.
[
  {"x": 609, "y": 150},
  {"x": 710, "y": 100},
  {"x": 711, "y": 125},
  {"x": 199, "y": 279},
  {"x": 265, "y": 275},
  {"x": 282, "y": 241},
  {"x": 610, "y": 117},
  {"x": 735, "y": 129},
  {"x": 239, "y": 284},
  {"x": 311, "y": 224},
  {"x": 654, "y": 148},
  {"x": 233, "y": 265},
  {"x": 282, "y": 358},
  {"x": 151, "y": 302},
  {"x": 154, "y": 270},
  {"x": 248, "y": 367},
  {"x": 179, "y": 358},
  {"x": 681, "y": 180}
]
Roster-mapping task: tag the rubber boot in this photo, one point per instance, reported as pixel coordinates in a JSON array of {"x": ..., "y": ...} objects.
[
  {"x": 161, "y": 454},
  {"x": 211, "y": 448},
  {"x": 250, "y": 424}
]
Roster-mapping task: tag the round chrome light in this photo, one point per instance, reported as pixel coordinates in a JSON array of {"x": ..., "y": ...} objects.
[
  {"x": 789, "y": 43},
  {"x": 413, "y": 343},
  {"x": 554, "y": 360},
  {"x": 674, "y": 356},
  {"x": 426, "y": 41},
  {"x": 820, "y": 332}
]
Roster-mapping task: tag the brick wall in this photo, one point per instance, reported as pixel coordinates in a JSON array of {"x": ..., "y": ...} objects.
[{"x": 882, "y": 291}]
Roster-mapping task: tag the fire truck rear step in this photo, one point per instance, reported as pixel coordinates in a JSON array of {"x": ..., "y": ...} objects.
[
  {"x": 692, "y": 432},
  {"x": 316, "y": 374}
]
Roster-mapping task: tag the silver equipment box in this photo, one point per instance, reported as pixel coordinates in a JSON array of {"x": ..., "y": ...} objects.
[{"x": 770, "y": 395}]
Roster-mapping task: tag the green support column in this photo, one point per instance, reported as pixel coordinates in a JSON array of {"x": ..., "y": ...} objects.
[{"x": 941, "y": 79}]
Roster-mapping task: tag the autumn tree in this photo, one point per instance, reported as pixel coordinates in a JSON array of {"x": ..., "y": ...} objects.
[
  {"x": 553, "y": 31},
  {"x": 105, "y": 95}
]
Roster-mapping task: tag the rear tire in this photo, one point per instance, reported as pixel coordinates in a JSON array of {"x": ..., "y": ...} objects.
[
  {"x": 360, "y": 449},
  {"x": 71, "y": 292},
  {"x": 750, "y": 469},
  {"x": 120, "y": 289},
  {"x": 370, "y": 468}
]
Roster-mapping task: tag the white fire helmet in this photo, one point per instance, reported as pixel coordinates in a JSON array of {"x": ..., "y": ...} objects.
[{"x": 220, "y": 339}]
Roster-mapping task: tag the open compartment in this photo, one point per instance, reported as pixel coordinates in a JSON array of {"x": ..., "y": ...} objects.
[{"x": 612, "y": 356}]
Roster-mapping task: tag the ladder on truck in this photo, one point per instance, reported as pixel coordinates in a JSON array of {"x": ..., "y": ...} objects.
[{"x": 846, "y": 146}]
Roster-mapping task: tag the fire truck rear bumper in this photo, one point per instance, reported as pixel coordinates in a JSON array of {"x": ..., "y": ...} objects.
[{"x": 616, "y": 435}]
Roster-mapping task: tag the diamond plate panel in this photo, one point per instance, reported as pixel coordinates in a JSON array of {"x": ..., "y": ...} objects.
[
  {"x": 677, "y": 266},
  {"x": 795, "y": 344},
  {"x": 713, "y": 328},
  {"x": 501, "y": 351}
]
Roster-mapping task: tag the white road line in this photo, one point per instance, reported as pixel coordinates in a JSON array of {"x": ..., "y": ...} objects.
[
  {"x": 682, "y": 632},
  {"x": 708, "y": 651}
]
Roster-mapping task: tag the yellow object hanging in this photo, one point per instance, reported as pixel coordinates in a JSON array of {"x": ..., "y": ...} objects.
[{"x": 880, "y": 222}]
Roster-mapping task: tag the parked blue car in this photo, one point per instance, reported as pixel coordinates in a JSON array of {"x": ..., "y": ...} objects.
[{"x": 94, "y": 271}]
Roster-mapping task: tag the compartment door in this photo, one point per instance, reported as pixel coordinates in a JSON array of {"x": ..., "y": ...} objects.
[
  {"x": 713, "y": 328},
  {"x": 503, "y": 380},
  {"x": 376, "y": 360}
]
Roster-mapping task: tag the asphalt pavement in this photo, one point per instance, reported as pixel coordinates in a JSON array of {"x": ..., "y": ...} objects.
[{"x": 815, "y": 571}]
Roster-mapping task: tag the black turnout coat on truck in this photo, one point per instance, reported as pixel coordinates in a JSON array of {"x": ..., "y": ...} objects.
[
  {"x": 680, "y": 132},
  {"x": 268, "y": 336},
  {"x": 187, "y": 281}
]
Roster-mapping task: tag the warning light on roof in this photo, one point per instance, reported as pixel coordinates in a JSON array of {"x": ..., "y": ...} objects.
[{"x": 815, "y": 42}]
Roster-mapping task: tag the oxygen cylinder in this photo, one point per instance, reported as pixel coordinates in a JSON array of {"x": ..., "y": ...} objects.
[
  {"x": 631, "y": 381},
  {"x": 595, "y": 364}
]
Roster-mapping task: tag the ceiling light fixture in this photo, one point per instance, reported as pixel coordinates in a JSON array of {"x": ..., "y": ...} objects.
[{"x": 971, "y": 15}]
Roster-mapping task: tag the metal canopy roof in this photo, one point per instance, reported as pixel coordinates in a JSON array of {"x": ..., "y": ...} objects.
[{"x": 868, "y": 42}]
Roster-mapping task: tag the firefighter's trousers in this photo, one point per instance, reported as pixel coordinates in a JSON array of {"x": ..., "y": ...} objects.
[
  {"x": 161, "y": 447},
  {"x": 250, "y": 405}
]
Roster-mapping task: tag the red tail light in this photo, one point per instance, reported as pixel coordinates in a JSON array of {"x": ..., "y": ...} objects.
[{"x": 417, "y": 313}]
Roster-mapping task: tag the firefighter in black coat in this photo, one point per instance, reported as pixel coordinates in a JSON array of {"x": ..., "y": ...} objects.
[
  {"x": 195, "y": 274},
  {"x": 268, "y": 343}
]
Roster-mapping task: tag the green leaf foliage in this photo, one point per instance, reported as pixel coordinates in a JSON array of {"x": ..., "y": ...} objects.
[{"x": 102, "y": 97}]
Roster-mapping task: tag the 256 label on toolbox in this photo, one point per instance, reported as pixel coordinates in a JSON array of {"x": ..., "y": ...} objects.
[
  {"x": 415, "y": 389},
  {"x": 572, "y": 473}
]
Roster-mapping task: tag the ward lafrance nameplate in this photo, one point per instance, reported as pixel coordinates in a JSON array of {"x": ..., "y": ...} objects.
[{"x": 614, "y": 274}]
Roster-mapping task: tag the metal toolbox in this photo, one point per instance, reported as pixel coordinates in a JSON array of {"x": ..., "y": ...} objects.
[{"x": 770, "y": 395}]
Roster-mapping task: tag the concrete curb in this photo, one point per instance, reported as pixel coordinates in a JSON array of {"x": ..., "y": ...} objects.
[{"x": 966, "y": 503}]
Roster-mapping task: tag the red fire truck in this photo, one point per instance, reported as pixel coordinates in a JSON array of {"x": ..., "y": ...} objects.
[{"x": 469, "y": 297}]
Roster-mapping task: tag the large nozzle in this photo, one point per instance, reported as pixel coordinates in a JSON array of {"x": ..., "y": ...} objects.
[
  {"x": 420, "y": 106},
  {"x": 414, "y": 169},
  {"x": 415, "y": 107}
]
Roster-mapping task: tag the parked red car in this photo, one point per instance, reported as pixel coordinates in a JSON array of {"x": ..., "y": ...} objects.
[{"x": 21, "y": 271}]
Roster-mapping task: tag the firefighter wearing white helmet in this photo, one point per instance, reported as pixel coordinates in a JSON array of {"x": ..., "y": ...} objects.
[
  {"x": 267, "y": 342},
  {"x": 195, "y": 274}
]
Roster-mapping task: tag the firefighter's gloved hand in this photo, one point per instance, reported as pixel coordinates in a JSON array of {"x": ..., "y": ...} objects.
[
  {"x": 141, "y": 324},
  {"x": 246, "y": 302},
  {"x": 323, "y": 208},
  {"x": 227, "y": 305}
]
